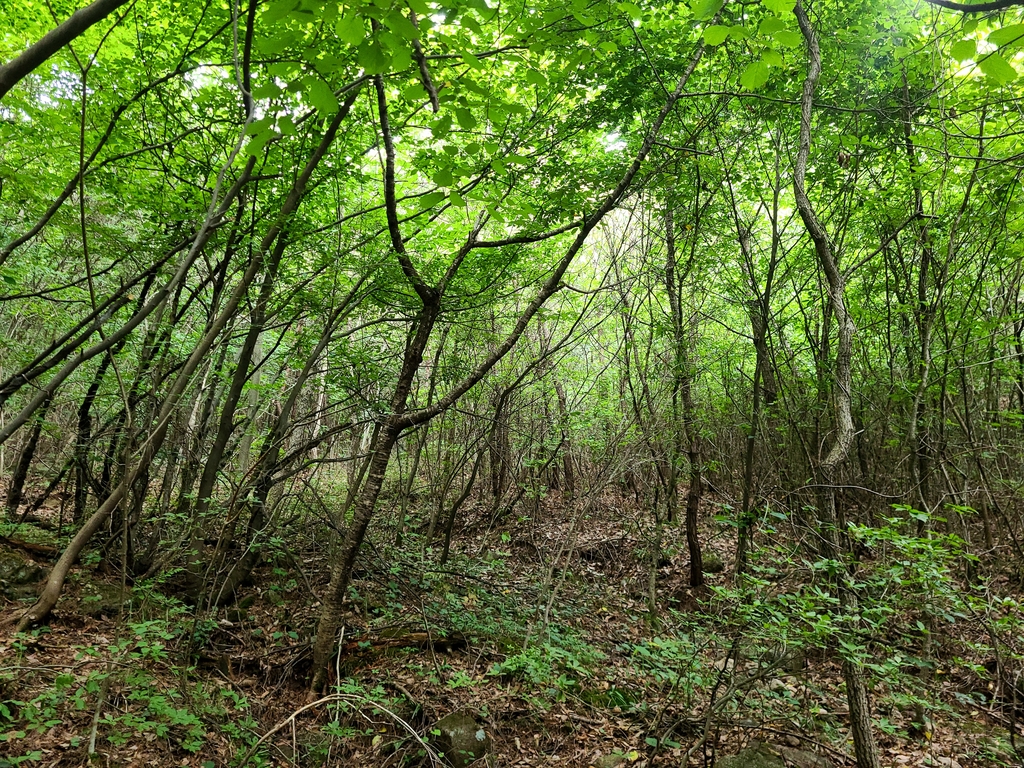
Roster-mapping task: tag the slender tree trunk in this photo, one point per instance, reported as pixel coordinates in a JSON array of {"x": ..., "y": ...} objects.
[
  {"x": 343, "y": 561},
  {"x": 453, "y": 512},
  {"x": 682, "y": 395},
  {"x": 16, "y": 491},
  {"x": 832, "y": 525}
]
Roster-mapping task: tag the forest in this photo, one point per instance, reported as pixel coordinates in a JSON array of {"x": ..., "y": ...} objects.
[{"x": 597, "y": 383}]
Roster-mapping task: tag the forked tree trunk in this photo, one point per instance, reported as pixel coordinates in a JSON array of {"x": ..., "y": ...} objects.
[{"x": 397, "y": 421}]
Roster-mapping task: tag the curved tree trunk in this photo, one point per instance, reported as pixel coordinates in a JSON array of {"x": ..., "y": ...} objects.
[{"x": 832, "y": 525}]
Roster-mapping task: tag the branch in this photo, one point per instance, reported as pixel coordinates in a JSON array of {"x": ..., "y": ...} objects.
[
  {"x": 525, "y": 239},
  {"x": 15, "y": 70},
  {"x": 554, "y": 279},
  {"x": 417, "y": 54},
  {"x": 995, "y": 5},
  {"x": 423, "y": 290}
]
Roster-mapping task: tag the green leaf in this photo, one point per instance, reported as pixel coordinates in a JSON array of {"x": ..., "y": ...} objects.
[
  {"x": 258, "y": 142},
  {"x": 431, "y": 199},
  {"x": 350, "y": 29},
  {"x": 279, "y": 10},
  {"x": 444, "y": 178},
  {"x": 441, "y": 126},
  {"x": 266, "y": 90},
  {"x": 274, "y": 44},
  {"x": 754, "y": 75},
  {"x": 632, "y": 9},
  {"x": 772, "y": 58},
  {"x": 401, "y": 55},
  {"x": 457, "y": 199},
  {"x": 787, "y": 38},
  {"x": 1012, "y": 33},
  {"x": 705, "y": 9},
  {"x": 466, "y": 120},
  {"x": 319, "y": 95},
  {"x": 771, "y": 25},
  {"x": 716, "y": 34},
  {"x": 998, "y": 69},
  {"x": 371, "y": 57},
  {"x": 535, "y": 78},
  {"x": 963, "y": 50},
  {"x": 651, "y": 741},
  {"x": 780, "y": 7},
  {"x": 472, "y": 60},
  {"x": 401, "y": 26}
]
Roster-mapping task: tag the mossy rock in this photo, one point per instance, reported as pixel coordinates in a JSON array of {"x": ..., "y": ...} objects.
[
  {"x": 17, "y": 571},
  {"x": 757, "y": 755},
  {"x": 760, "y": 755},
  {"x": 99, "y": 599},
  {"x": 461, "y": 739},
  {"x": 713, "y": 563}
]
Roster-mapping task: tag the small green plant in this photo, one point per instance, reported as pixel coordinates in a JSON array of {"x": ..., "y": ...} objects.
[{"x": 130, "y": 700}]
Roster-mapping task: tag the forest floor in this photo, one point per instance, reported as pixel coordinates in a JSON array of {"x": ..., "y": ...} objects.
[{"x": 538, "y": 629}]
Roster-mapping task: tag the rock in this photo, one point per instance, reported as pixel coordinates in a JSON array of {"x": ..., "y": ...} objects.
[
  {"x": 100, "y": 599},
  {"x": 608, "y": 761},
  {"x": 461, "y": 739},
  {"x": 801, "y": 758},
  {"x": 761, "y": 755},
  {"x": 712, "y": 563},
  {"x": 784, "y": 657},
  {"x": 757, "y": 755},
  {"x": 16, "y": 571}
]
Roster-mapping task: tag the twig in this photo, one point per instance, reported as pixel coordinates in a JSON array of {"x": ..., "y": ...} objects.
[
  {"x": 104, "y": 689},
  {"x": 351, "y": 699}
]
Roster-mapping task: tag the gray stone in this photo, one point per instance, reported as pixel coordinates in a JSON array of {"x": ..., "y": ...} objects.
[
  {"x": 761, "y": 755},
  {"x": 757, "y": 755},
  {"x": 461, "y": 739},
  {"x": 99, "y": 599},
  {"x": 609, "y": 761},
  {"x": 17, "y": 571},
  {"x": 801, "y": 758},
  {"x": 712, "y": 563}
]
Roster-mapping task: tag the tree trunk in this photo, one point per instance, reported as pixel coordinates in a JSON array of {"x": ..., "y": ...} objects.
[
  {"x": 16, "y": 491},
  {"x": 832, "y": 526}
]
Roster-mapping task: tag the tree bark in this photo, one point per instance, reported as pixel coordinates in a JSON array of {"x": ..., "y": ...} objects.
[
  {"x": 832, "y": 525},
  {"x": 16, "y": 491},
  {"x": 32, "y": 57}
]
